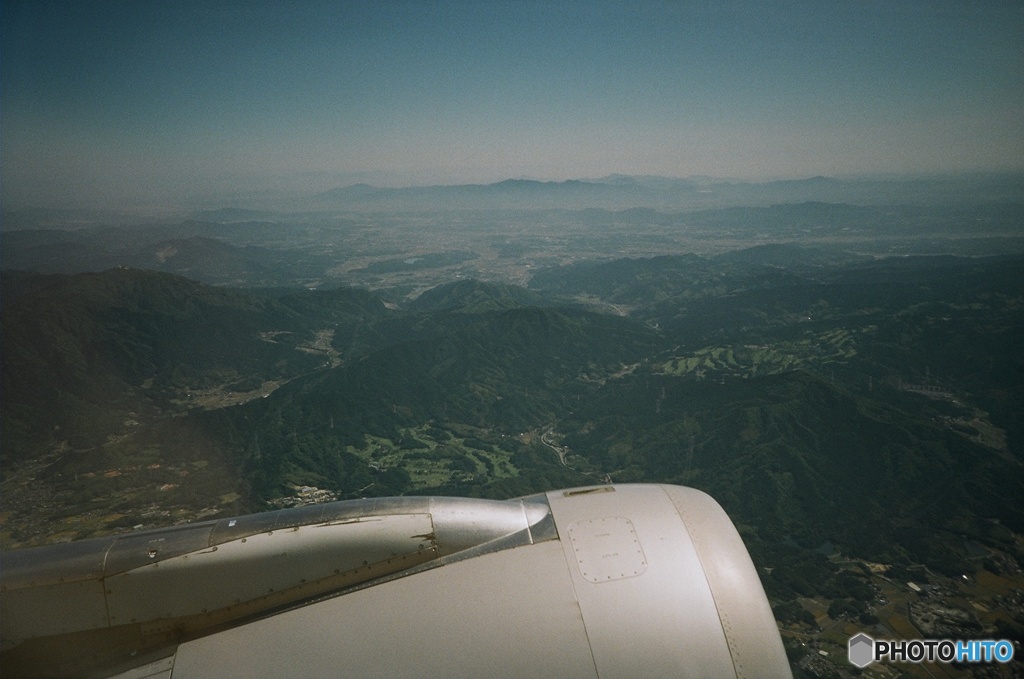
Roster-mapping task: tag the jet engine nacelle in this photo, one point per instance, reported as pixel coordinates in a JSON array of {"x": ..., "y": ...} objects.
[{"x": 606, "y": 581}]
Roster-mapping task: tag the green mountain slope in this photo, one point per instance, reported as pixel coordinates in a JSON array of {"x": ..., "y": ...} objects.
[
  {"x": 873, "y": 405},
  {"x": 84, "y": 354},
  {"x": 499, "y": 372},
  {"x": 471, "y": 296},
  {"x": 795, "y": 455}
]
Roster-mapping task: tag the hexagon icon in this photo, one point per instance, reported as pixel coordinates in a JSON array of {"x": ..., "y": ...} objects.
[{"x": 861, "y": 650}]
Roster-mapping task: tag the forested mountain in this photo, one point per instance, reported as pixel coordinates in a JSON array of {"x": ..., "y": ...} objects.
[
  {"x": 84, "y": 353},
  {"x": 473, "y": 296},
  {"x": 868, "y": 403}
]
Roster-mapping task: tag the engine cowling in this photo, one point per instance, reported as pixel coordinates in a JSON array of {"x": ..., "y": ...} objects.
[{"x": 607, "y": 581}]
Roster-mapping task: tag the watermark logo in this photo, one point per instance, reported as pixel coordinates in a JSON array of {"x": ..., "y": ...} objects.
[{"x": 862, "y": 650}]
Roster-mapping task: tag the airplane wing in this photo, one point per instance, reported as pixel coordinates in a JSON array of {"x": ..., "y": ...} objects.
[{"x": 598, "y": 582}]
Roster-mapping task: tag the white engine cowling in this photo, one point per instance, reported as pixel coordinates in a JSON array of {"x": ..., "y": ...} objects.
[{"x": 607, "y": 581}]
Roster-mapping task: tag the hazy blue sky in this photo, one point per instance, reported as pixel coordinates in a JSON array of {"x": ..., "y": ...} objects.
[{"x": 152, "y": 101}]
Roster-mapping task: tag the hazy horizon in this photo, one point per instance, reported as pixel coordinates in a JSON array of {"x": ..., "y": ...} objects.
[{"x": 143, "y": 103}]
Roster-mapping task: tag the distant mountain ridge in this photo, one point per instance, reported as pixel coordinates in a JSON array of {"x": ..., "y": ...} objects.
[{"x": 667, "y": 193}]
